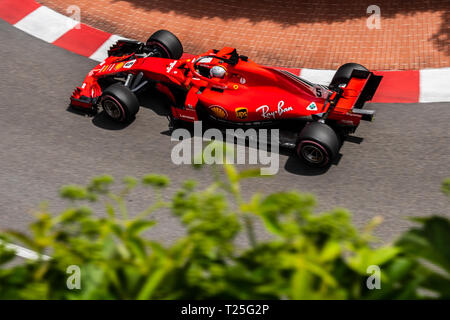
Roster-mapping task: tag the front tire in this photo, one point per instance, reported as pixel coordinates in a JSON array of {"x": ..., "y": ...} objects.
[
  {"x": 119, "y": 103},
  {"x": 170, "y": 46},
  {"x": 318, "y": 145}
]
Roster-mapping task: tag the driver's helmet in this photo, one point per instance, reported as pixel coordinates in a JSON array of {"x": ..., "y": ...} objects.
[{"x": 218, "y": 72}]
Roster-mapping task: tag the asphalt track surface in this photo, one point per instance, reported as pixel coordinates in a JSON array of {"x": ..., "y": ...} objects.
[{"x": 395, "y": 171}]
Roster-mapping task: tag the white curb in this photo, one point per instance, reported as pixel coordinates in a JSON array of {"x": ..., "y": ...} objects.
[
  {"x": 317, "y": 76},
  {"x": 434, "y": 85},
  {"x": 102, "y": 52},
  {"x": 46, "y": 24}
]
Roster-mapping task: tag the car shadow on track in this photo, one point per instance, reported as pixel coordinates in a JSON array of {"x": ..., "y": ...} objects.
[
  {"x": 295, "y": 166},
  {"x": 102, "y": 120},
  {"x": 292, "y": 165},
  {"x": 151, "y": 99},
  {"x": 157, "y": 102}
]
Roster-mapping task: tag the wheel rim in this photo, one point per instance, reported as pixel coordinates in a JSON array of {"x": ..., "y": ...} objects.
[
  {"x": 313, "y": 153},
  {"x": 112, "y": 108}
]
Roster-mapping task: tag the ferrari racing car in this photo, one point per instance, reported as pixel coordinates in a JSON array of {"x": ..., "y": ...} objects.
[{"x": 230, "y": 89}]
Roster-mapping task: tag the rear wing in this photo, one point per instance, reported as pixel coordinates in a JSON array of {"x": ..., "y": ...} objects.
[
  {"x": 352, "y": 97},
  {"x": 370, "y": 87},
  {"x": 360, "y": 89}
]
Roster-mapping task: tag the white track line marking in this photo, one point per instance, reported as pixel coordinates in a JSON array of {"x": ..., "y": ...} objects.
[
  {"x": 46, "y": 24},
  {"x": 24, "y": 252},
  {"x": 102, "y": 52},
  {"x": 434, "y": 85}
]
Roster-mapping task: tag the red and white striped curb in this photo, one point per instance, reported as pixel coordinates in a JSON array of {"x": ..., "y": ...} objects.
[{"x": 427, "y": 85}]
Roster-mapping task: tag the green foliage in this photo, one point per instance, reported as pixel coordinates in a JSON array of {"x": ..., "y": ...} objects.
[
  {"x": 446, "y": 186},
  {"x": 429, "y": 246},
  {"x": 306, "y": 256}
]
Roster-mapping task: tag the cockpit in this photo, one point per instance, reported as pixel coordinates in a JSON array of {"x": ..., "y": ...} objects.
[{"x": 216, "y": 63}]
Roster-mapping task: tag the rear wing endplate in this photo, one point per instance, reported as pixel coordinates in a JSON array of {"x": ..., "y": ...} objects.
[{"x": 369, "y": 89}]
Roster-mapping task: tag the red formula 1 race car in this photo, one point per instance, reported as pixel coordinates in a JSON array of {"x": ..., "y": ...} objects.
[{"x": 229, "y": 88}]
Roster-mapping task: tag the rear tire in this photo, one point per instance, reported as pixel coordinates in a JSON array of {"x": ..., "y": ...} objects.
[
  {"x": 344, "y": 73},
  {"x": 119, "y": 103},
  {"x": 318, "y": 145},
  {"x": 169, "y": 44}
]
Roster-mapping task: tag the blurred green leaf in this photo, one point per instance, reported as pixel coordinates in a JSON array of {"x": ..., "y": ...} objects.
[
  {"x": 100, "y": 184},
  {"x": 157, "y": 181},
  {"x": 446, "y": 187},
  {"x": 74, "y": 192},
  {"x": 130, "y": 182},
  {"x": 153, "y": 281},
  {"x": 365, "y": 257},
  {"x": 430, "y": 241},
  {"x": 138, "y": 226}
]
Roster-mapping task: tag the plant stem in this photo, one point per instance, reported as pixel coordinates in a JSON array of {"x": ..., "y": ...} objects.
[{"x": 250, "y": 230}]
